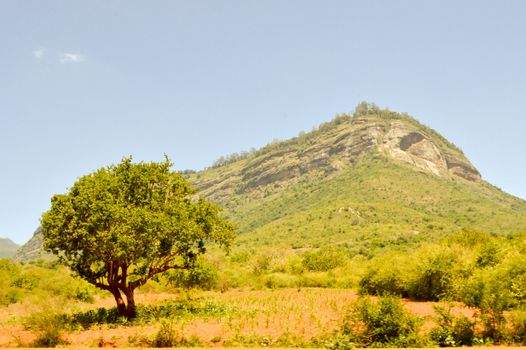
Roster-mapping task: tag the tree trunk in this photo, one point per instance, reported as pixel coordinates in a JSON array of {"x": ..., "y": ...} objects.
[
  {"x": 121, "y": 306},
  {"x": 124, "y": 308},
  {"x": 130, "y": 308}
]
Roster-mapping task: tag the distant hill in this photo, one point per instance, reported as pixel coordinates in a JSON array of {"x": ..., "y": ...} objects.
[
  {"x": 370, "y": 181},
  {"x": 7, "y": 248}
]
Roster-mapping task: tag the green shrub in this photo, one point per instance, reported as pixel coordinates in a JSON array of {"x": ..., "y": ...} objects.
[
  {"x": 387, "y": 274},
  {"x": 489, "y": 254},
  {"x": 451, "y": 330},
  {"x": 435, "y": 272},
  {"x": 204, "y": 275},
  {"x": 48, "y": 324},
  {"x": 324, "y": 259},
  {"x": 516, "y": 332},
  {"x": 169, "y": 309},
  {"x": 51, "y": 337},
  {"x": 384, "y": 323},
  {"x": 98, "y": 316},
  {"x": 166, "y": 337},
  {"x": 263, "y": 263},
  {"x": 279, "y": 280}
]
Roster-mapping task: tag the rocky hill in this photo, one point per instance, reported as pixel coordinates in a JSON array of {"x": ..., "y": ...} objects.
[
  {"x": 369, "y": 181},
  {"x": 32, "y": 250},
  {"x": 7, "y": 248}
]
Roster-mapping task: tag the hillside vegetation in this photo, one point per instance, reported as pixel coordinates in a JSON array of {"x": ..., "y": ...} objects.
[{"x": 375, "y": 180}]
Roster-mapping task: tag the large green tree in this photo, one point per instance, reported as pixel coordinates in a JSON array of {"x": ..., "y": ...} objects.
[{"x": 125, "y": 223}]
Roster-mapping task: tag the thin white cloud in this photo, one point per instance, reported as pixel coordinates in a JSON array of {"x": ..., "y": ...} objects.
[
  {"x": 71, "y": 57},
  {"x": 39, "y": 53}
]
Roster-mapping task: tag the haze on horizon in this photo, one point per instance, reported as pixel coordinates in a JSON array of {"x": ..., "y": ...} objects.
[{"x": 87, "y": 83}]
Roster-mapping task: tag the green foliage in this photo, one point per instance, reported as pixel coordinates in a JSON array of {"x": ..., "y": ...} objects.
[
  {"x": 436, "y": 270},
  {"x": 203, "y": 275},
  {"x": 384, "y": 323},
  {"x": 516, "y": 334},
  {"x": 123, "y": 224},
  {"x": 324, "y": 259},
  {"x": 386, "y": 275},
  {"x": 166, "y": 337},
  {"x": 168, "y": 309},
  {"x": 169, "y": 337},
  {"x": 19, "y": 282},
  {"x": 48, "y": 324},
  {"x": 452, "y": 330}
]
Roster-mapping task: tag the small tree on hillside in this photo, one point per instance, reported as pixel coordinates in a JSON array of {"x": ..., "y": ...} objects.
[{"x": 123, "y": 224}]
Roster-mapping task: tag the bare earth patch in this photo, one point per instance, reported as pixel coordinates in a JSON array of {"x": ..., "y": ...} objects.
[{"x": 288, "y": 313}]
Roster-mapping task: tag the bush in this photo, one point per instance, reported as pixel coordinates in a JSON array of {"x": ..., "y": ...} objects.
[
  {"x": 50, "y": 337},
  {"x": 166, "y": 337},
  {"x": 385, "y": 276},
  {"x": 204, "y": 275},
  {"x": 384, "y": 323},
  {"x": 263, "y": 263},
  {"x": 517, "y": 330},
  {"x": 324, "y": 259},
  {"x": 451, "y": 330},
  {"x": 437, "y": 271},
  {"x": 48, "y": 324}
]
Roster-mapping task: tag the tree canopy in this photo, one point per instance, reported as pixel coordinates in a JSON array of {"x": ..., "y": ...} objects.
[{"x": 125, "y": 223}]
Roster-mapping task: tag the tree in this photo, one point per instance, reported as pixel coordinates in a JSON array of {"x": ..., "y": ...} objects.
[{"x": 125, "y": 223}]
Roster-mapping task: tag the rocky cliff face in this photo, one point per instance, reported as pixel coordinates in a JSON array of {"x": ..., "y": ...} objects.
[
  {"x": 32, "y": 250},
  {"x": 407, "y": 143},
  {"x": 334, "y": 146}
]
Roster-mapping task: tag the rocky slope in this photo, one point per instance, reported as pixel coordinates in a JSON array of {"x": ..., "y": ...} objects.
[
  {"x": 32, "y": 250},
  {"x": 337, "y": 145}
]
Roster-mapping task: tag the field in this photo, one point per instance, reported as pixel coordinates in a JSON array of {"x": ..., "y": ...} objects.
[
  {"x": 255, "y": 318},
  {"x": 466, "y": 289}
]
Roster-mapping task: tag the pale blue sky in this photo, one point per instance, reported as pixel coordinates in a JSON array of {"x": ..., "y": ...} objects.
[{"x": 84, "y": 83}]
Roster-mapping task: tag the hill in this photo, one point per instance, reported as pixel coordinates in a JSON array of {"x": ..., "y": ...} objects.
[
  {"x": 32, "y": 249},
  {"x": 7, "y": 248},
  {"x": 366, "y": 182}
]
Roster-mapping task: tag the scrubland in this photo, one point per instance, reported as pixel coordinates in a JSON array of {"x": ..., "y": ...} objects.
[{"x": 465, "y": 289}]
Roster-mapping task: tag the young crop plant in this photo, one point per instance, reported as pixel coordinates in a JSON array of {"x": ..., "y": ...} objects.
[{"x": 123, "y": 224}]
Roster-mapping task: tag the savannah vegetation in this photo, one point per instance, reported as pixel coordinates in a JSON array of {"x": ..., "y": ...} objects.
[
  {"x": 373, "y": 255},
  {"x": 466, "y": 289}
]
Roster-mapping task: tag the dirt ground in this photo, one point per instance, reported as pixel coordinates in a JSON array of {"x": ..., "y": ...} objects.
[{"x": 300, "y": 314}]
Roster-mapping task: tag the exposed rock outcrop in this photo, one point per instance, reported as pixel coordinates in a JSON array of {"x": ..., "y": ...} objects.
[
  {"x": 32, "y": 250},
  {"x": 334, "y": 148}
]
